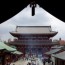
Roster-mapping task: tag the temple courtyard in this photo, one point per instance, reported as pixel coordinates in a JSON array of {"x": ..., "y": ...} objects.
[{"x": 25, "y": 62}]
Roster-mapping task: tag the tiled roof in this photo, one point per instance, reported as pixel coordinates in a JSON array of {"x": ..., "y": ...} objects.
[
  {"x": 6, "y": 47},
  {"x": 36, "y": 43},
  {"x": 3, "y": 46},
  {"x": 34, "y": 32},
  {"x": 53, "y": 51},
  {"x": 17, "y": 52},
  {"x": 57, "y": 47},
  {"x": 60, "y": 55},
  {"x": 33, "y": 29}
]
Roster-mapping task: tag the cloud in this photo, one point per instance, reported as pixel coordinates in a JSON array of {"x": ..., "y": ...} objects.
[{"x": 24, "y": 18}]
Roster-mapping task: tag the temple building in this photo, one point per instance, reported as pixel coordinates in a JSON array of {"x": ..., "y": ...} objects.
[{"x": 33, "y": 39}]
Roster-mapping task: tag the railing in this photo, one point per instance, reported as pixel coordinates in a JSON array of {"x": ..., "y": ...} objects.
[
  {"x": 33, "y": 38},
  {"x": 34, "y": 41}
]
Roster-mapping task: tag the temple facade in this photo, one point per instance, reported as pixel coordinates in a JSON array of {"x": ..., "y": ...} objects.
[{"x": 33, "y": 39}]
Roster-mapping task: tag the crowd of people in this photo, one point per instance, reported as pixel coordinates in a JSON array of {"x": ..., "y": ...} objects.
[{"x": 34, "y": 60}]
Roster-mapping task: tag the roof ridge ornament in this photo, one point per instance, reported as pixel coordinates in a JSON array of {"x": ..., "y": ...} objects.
[{"x": 33, "y": 5}]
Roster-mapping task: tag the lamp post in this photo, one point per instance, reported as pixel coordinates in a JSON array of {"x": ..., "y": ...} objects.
[{"x": 33, "y": 5}]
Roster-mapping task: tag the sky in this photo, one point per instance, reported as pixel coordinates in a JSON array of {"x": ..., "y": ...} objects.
[{"x": 24, "y": 18}]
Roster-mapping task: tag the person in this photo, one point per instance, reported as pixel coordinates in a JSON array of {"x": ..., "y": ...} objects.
[
  {"x": 44, "y": 60},
  {"x": 29, "y": 63},
  {"x": 33, "y": 63},
  {"x": 13, "y": 64},
  {"x": 49, "y": 60},
  {"x": 8, "y": 63},
  {"x": 37, "y": 63}
]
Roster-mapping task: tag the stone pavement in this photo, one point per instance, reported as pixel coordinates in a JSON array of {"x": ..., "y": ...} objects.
[
  {"x": 24, "y": 62},
  {"x": 20, "y": 62}
]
